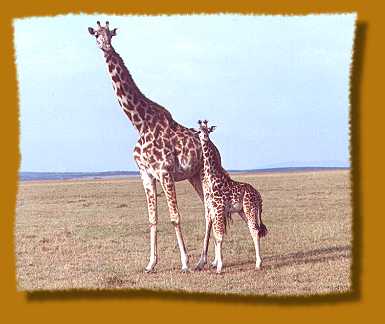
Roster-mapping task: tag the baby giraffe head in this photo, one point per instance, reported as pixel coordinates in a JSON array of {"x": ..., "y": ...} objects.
[
  {"x": 103, "y": 36},
  {"x": 204, "y": 130}
]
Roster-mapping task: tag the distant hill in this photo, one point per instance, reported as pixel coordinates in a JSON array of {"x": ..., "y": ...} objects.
[
  {"x": 28, "y": 176},
  {"x": 288, "y": 169},
  {"x": 25, "y": 176}
]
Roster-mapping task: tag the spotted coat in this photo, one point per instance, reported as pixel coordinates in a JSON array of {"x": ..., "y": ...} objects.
[
  {"x": 224, "y": 196},
  {"x": 165, "y": 152}
]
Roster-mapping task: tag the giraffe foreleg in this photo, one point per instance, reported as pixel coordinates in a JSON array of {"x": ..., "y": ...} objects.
[
  {"x": 218, "y": 261},
  {"x": 218, "y": 231},
  {"x": 149, "y": 185},
  {"x": 218, "y": 253},
  {"x": 168, "y": 186}
]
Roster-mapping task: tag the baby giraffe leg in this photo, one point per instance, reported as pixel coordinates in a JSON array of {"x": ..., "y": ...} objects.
[
  {"x": 203, "y": 259},
  {"x": 252, "y": 207},
  {"x": 219, "y": 229},
  {"x": 218, "y": 254}
]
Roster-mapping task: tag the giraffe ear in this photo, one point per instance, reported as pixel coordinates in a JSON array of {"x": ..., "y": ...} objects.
[
  {"x": 91, "y": 30},
  {"x": 113, "y": 32},
  {"x": 212, "y": 128}
]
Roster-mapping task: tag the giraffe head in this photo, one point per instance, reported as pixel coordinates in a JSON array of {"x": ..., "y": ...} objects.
[
  {"x": 204, "y": 130},
  {"x": 103, "y": 36}
]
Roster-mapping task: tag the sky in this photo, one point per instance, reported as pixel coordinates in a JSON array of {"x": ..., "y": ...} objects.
[{"x": 276, "y": 87}]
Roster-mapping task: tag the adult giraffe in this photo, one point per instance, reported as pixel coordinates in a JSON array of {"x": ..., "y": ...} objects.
[{"x": 166, "y": 151}]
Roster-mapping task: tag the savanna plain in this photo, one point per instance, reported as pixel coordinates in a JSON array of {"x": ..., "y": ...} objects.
[{"x": 94, "y": 234}]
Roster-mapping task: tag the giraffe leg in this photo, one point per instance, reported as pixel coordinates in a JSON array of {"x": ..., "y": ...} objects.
[
  {"x": 168, "y": 186},
  {"x": 218, "y": 252},
  {"x": 250, "y": 214},
  {"x": 203, "y": 259},
  {"x": 255, "y": 236},
  {"x": 251, "y": 211},
  {"x": 218, "y": 238},
  {"x": 214, "y": 263},
  {"x": 149, "y": 185},
  {"x": 196, "y": 182}
]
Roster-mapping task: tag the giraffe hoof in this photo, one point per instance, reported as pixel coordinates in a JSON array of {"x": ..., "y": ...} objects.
[
  {"x": 149, "y": 270},
  {"x": 184, "y": 270}
]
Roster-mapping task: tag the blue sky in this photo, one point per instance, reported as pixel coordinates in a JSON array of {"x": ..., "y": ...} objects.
[{"x": 277, "y": 87}]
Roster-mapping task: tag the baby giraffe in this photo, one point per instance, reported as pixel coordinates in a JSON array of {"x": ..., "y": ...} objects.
[{"x": 223, "y": 196}]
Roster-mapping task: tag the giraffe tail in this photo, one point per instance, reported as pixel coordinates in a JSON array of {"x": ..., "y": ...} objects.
[{"x": 262, "y": 229}]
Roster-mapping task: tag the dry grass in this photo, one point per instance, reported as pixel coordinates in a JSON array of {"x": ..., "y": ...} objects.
[{"x": 94, "y": 234}]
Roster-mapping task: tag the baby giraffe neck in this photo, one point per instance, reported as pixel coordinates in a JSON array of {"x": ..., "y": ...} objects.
[{"x": 209, "y": 159}]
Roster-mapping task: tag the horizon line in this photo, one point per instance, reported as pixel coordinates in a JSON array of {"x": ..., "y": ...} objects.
[{"x": 229, "y": 170}]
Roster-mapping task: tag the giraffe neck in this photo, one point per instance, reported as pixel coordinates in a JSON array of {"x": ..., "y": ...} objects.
[
  {"x": 210, "y": 160},
  {"x": 139, "y": 109}
]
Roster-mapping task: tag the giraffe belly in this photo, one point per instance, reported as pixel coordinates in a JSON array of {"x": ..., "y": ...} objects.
[
  {"x": 182, "y": 165},
  {"x": 178, "y": 173}
]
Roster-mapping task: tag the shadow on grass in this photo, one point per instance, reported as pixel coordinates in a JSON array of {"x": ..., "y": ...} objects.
[
  {"x": 313, "y": 256},
  {"x": 318, "y": 255}
]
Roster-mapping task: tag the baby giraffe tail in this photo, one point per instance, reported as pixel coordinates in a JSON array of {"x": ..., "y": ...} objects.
[{"x": 262, "y": 229}]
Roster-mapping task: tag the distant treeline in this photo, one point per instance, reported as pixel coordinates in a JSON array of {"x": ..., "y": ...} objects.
[{"x": 27, "y": 176}]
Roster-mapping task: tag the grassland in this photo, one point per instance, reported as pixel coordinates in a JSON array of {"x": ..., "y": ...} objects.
[{"x": 94, "y": 234}]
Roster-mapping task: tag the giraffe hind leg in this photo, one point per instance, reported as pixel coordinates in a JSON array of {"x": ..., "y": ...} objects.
[
  {"x": 255, "y": 237},
  {"x": 168, "y": 186},
  {"x": 251, "y": 211}
]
